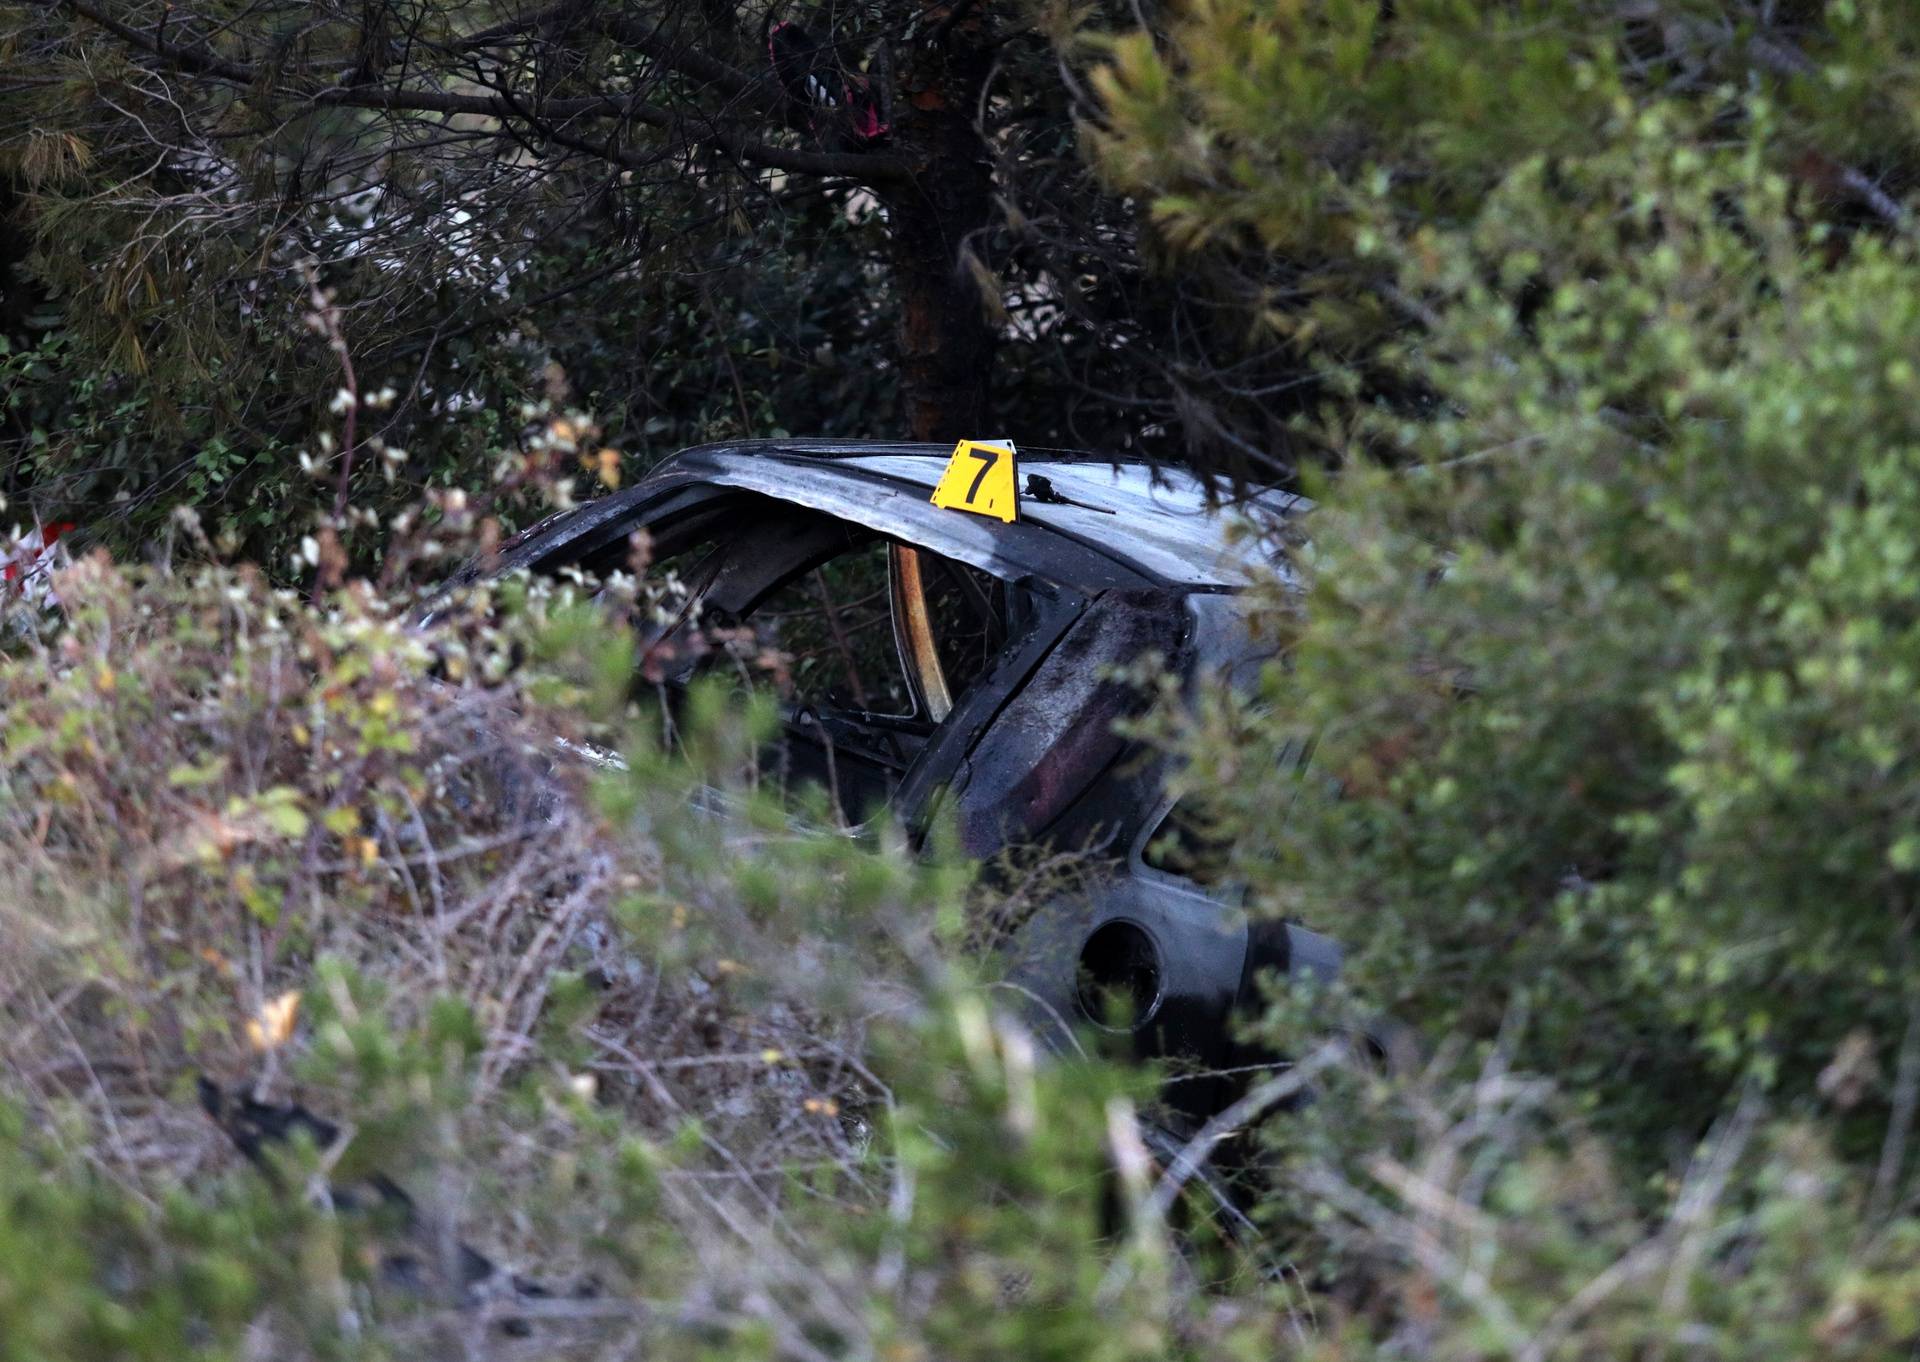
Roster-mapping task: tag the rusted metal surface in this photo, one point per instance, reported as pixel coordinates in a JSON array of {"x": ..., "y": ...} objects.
[{"x": 914, "y": 628}]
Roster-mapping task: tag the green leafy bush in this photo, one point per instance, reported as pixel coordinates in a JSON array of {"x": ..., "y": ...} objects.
[{"x": 1609, "y": 692}]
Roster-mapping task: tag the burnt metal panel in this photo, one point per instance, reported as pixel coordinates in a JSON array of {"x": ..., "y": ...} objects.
[
  {"x": 1159, "y": 523},
  {"x": 886, "y": 503},
  {"x": 1057, "y": 736},
  {"x": 1115, "y": 524}
]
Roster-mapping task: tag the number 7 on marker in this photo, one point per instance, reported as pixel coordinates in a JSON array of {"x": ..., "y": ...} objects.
[
  {"x": 979, "y": 479},
  {"x": 988, "y": 458}
]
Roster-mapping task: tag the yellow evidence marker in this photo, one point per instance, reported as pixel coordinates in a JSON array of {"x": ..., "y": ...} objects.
[{"x": 980, "y": 478}]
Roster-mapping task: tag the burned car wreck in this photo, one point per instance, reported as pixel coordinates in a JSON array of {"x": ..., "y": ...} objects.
[{"x": 974, "y": 681}]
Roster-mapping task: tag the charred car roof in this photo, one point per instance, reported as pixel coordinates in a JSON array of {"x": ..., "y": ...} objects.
[{"x": 1085, "y": 522}]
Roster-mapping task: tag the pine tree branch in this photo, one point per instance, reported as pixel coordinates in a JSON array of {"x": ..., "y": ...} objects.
[
  {"x": 653, "y": 41},
  {"x": 650, "y": 39},
  {"x": 867, "y": 169}
]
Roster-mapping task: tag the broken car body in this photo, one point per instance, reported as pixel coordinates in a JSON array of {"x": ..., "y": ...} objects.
[{"x": 974, "y": 681}]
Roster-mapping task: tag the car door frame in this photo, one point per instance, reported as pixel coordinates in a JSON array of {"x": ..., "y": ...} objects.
[{"x": 593, "y": 529}]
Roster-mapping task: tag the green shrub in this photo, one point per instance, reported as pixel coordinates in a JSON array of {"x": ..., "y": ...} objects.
[{"x": 1610, "y": 692}]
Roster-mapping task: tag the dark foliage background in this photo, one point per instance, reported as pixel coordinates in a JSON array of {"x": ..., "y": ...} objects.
[{"x": 619, "y": 199}]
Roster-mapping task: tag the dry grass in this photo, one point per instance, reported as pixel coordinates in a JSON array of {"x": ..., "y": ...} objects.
[{"x": 215, "y": 797}]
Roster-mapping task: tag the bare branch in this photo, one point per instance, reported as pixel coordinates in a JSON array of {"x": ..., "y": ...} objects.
[
  {"x": 1906, "y": 1100},
  {"x": 866, "y": 169}
]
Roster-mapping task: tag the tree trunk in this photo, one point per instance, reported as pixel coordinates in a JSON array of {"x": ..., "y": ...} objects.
[
  {"x": 20, "y": 296},
  {"x": 17, "y": 292},
  {"x": 946, "y": 339}
]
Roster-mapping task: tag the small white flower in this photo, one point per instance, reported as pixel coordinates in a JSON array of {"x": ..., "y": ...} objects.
[
  {"x": 342, "y": 403},
  {"x": 310, "y": 550}
]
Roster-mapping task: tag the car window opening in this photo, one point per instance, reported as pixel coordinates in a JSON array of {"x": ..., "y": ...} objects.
[
  {"x": 868, "y": 642},
  {"x": 828, "y": 632},
  {"x": 950, "y": 622}
]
